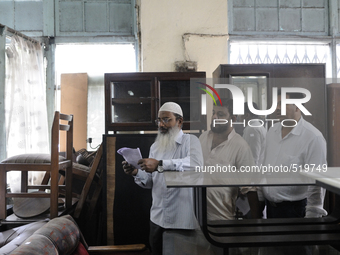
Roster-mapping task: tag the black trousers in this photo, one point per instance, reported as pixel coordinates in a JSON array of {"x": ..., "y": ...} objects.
[
  {"x": 156, "y": 238},
  {"x": 286, "y": 209}
]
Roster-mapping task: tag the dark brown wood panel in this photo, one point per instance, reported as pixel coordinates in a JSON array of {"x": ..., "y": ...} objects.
[
  {"x": 333, "y": 97},
  {"x": 128, "y": 205}
]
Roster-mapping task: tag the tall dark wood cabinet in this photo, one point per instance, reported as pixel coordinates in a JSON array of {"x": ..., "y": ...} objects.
[
  {"x": 132, "y": 100},
  {"x": 127, "y": 213},
  {"x": 263, "y": 77},
  {"x": 333, "y": 145},
  {"x": 333, "y": 109}
]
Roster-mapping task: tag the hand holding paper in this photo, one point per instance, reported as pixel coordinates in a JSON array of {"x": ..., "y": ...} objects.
[{"x": 132, "y": 156}]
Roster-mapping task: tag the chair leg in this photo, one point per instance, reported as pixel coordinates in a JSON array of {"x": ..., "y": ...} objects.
[
  {"x": 24, "y": 181},
  {"x": 88, "y": 182},
  {"x": 68, "y": 187},
  {"x": 3, "y": 191},
  {"x": 45, "y": 180},
  {"x": 61, "y": 180},
  {"x": 94, "y": 199},
  {"x": 54, "y": 194}
]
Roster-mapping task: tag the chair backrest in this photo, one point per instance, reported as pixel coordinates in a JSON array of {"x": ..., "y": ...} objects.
[
  {"x": 62, "y": 122},
  {"x": 86, "y": 188}
]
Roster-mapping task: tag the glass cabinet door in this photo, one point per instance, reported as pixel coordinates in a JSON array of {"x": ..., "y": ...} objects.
[
  {"x": 179, "y": 92},
  {"x": 131, "y": 101}
]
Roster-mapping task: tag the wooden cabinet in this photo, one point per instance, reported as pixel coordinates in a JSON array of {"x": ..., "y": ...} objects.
[
  {"x": 132, "y": 100},
  {"x": 127, "y": 213},
  {"x": 333, "y": 105},
  {"x": 263, "y": 77}
]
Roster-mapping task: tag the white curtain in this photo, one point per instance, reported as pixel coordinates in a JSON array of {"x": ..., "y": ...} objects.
[{"x": 25, "y": 102}]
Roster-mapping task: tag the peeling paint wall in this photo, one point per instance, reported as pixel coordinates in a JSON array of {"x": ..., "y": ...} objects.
[{"x": 190, "y": 30}]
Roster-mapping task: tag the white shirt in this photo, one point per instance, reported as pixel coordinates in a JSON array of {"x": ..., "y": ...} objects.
[
  {"x": 256, "y": 139},
  {"x": 234, "y": 152},
  {"x": 173, "y": 207},
  {"x": 303, "y": 145}
]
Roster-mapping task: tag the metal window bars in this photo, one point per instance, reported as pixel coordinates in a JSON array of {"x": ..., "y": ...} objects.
[{"x": 241, "y": 53}]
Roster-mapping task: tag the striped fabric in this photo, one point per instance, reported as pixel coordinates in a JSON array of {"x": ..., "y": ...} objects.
[
  {"x": 59, "y": 236},
  {"x": 31, "y": 158}
]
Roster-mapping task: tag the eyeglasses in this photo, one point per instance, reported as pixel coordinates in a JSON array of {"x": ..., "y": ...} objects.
[{"x": 164, "y": 121}]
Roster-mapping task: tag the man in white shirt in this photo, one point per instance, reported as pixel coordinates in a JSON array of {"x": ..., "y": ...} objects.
[
  {"x": 223, "y": 146},
  {"x": 172, "y": 208},
  {"x": 293, "y": 146},
  {"x": 299, "y": 145},
  {"x": 254, "y": 133}
]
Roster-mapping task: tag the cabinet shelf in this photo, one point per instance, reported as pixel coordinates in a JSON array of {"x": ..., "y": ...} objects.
[
  {"x": 132, "y": 100},
  {"x": 180, "y": 99}
]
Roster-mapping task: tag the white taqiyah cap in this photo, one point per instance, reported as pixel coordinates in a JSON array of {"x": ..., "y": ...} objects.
[{"x": 171, "y": 107}]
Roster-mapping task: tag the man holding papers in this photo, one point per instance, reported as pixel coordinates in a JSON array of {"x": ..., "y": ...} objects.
[{"x": 172, "y": 208}]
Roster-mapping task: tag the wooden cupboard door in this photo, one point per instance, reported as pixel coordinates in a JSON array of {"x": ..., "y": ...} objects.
[
  {"x": 333, "y": 106},
  {"x": 127, "y": 205},
  {"x": 74, "y": 101}
]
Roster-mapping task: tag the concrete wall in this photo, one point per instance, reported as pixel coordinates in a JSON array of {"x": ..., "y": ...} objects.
[{"x": 183, "y": 30}]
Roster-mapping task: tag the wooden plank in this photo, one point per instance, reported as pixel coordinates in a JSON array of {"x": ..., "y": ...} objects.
[
  {"x": 3, "y": 187},
  {"x": 110, "y": 184},
  {"x": 74, "y": 101},
  {"x": 87, "y": 185},
  {"x": 28, "y": 195},
  {"x": 2, "y": 92},
  {"x": 116, "y": 248},
  {"x": 34, "y": 166}
]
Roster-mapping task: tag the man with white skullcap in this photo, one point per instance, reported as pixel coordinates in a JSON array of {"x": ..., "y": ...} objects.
[{"x": 172, "y": 208}]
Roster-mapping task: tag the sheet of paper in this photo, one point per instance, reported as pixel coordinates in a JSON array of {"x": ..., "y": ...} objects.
[{"x": 131, "y": 155}]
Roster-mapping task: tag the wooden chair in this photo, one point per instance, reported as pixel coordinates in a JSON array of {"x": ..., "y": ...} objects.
[
  {"x": 89, "y": 180},
  {"x": 87, "y": 175},
  {"x": 51, "y": 163}
]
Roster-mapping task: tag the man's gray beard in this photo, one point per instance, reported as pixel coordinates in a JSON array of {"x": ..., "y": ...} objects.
[{"x": 167, "y": 142}]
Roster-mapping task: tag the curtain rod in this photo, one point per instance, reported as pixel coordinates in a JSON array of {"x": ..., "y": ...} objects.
[{"x": 14, "y": 32}]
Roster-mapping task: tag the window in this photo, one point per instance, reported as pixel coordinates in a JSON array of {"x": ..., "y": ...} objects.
[
  {"x": 95, "y": 60},
  {"x": 281, "y": 53}
]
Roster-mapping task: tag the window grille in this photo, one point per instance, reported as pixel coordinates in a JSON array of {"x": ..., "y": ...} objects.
[{"x": 281, "y": 53}]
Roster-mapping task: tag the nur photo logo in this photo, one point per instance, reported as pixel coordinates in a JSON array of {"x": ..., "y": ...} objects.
[{"x": 239, "y": 100}]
